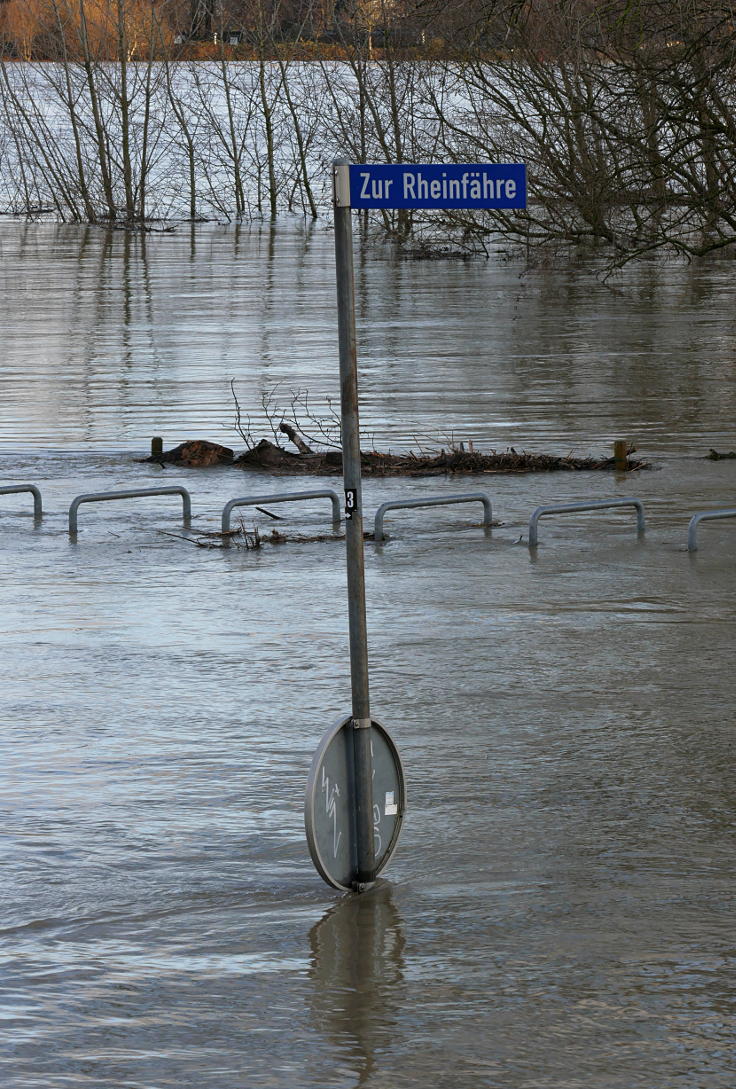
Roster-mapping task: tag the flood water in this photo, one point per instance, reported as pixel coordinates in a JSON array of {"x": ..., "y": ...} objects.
[{"x": 559, "y": 914}]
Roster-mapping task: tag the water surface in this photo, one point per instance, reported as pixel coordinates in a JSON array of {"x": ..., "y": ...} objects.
[{"x": 560, "y": 909}]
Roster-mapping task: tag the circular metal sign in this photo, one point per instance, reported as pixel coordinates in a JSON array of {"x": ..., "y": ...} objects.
[{"x": 329, "y": 810}]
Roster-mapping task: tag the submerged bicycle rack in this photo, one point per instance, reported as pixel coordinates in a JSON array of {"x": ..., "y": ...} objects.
[
  {"x": 378, "y": 532},
  {"x": 704, "y": 516},
  {"x": 405, "y": 504},
  {"x": 10, "y": 489},
  {"x": 102, "y": 497},
  {"x": 283, "y": 497},
  {"x": 568, "y": 508}
]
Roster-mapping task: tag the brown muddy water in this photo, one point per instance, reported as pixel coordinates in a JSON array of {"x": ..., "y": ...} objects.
[{"x": 560, "y": 912}]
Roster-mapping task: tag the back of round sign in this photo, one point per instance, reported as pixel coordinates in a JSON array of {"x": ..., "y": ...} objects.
[{"x": 329, "y": 810}]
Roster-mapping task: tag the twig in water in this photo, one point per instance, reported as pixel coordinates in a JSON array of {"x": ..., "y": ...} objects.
[
  {"x": 245, "y": 433},
  {"x": 181, "y": 537}
]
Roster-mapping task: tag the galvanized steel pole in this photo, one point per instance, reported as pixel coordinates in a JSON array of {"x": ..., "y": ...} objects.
[{"x": 365, "y": 861}]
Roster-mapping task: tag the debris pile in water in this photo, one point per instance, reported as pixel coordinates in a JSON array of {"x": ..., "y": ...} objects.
[{"x": 266, "y": 455}]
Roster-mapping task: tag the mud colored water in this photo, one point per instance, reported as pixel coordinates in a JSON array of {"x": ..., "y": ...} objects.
[{"x": 560, "y": 910}]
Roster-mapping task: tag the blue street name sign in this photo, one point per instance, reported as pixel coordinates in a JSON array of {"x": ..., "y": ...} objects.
[{"x": 455, "y": 185}]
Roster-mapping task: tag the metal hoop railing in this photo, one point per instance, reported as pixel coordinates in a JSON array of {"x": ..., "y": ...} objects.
[
  {"x": 10, "y": 489},
  {"x": 568, "y": 508},
  {"x": 103, "y": 497},
  {"x": 704, "y": 516},
  {"x": 283, "y": 497},
  {"x": 405, "y": 504}
]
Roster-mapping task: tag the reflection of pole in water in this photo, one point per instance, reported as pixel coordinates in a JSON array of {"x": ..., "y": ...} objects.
[{"x": 357, "y": 972}]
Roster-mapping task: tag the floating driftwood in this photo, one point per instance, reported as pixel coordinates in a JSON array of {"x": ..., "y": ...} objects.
[
  {"x": 253, "y": 540},
  {"x": 195, "y": 453},
  {"x": 267, "y": 455},
  {"x": 714, "y": 455}
]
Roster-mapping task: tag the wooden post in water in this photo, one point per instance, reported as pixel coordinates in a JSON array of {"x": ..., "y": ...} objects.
[
  {"x": 620, "y": 455},
  {"x": 157, "y": 446}
]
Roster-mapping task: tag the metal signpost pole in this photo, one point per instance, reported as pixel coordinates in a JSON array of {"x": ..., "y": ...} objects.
[
  {"x": 355, "y": 800},
  {"x": 361, "y": 719}
]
